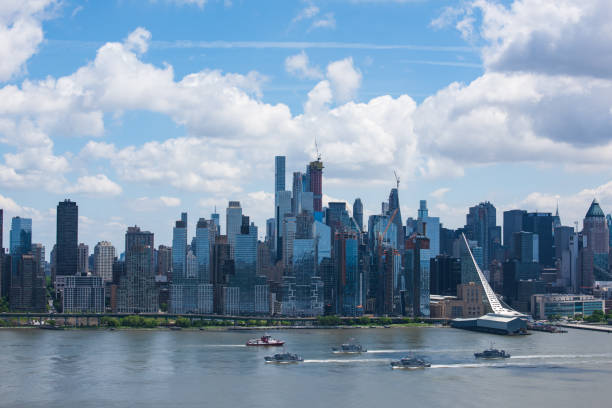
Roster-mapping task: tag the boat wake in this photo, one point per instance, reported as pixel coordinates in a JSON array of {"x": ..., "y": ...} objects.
[
  {"x": 561, "y": 356},
  {"x": 350, "y": 361}
]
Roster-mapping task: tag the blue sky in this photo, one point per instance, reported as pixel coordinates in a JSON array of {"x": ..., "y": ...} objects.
[{"x": 141, "y": 109}]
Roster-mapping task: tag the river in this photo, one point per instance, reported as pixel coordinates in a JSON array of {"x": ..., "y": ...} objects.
[{"x": 160, "y": 368}]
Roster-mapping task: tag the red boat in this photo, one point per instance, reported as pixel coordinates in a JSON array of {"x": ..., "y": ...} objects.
[{"x": 265, "y": 340}]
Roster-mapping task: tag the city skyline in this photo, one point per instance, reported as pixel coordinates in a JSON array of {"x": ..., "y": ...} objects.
[{"x": 127, "y": 160}]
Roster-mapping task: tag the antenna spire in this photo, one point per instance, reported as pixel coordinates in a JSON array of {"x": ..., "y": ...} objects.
[{"x": 397, "y": 180}]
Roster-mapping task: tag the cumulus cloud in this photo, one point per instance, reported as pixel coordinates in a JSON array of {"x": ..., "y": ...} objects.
[
  {"x": 345, "y": 79},
  {"x": 306, "y": 13},
  {"x": 138, "y": 40},
  {"x": 147, "y": 204},
  {"x": 98, "y": 185},
  {"x": 299, "y": 65},
  {"x": 20, "y": 33}
]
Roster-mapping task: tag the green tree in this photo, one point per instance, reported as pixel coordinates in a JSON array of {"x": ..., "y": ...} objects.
[
  {"x": 183, "y": 322},
  {"x": 4, "y": 305},
  {"x": 329, "y": 321}
]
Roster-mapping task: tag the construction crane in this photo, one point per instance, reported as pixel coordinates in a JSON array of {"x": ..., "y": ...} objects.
[
  {"x": 382, "y": 236},
  {"x": 317, "y": 149},
  {"x": 397, "y": 179}
]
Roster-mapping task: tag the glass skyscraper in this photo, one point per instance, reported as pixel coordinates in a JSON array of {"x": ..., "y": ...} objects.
[
  {"x": 67, "y": 242},
  {"x": 20, "y": 236}
]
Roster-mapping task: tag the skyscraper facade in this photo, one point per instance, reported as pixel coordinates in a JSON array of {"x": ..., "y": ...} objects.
[
  {"x": 358, "y": 213},
  {"x": 137, "y": 289},
  {"x": 279, "y": 173},
  {"x": 20, "y": 236},
  {"x": 233, "y": 221},
  {"x": 481, "y": 226},
  {"x": 315, "y": 181},
  {"x": 67, "y": 238},
  {"x": 597, "y": 245},
  {"x": 82, "y": 259},
  {"x": 104, "y": 256},
  {"x": 296, "y": 200}
]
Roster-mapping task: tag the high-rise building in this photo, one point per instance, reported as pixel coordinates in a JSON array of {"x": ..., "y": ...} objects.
[
  {"x": 394, "y": 206},
  {"x": 82, "y": 294},
  {"x": 204, "y": 241},
  {"x": 67, "y": 239},
  {"x": 217, "y": 220},
  {"x": 282, "y": 210},
  {"x": 351, "y": 285},
  {"x": 296, "y": 200},
  {"x": 279, "y": 173},
  {"x": 526, "y": 247},
  {"x": 1, "y": 232},
  {"x": 542, "y": 224},
  {"x": 233, "y": 221},
  {"x": 27, "y": 290},
  {"x": 164, "y": 261},
  {"x": 358, "y": 213},
  {"x": 137, "y": 289},
  {"x": 3, "y": 280},
  {"x": 416, "y": 296},
  {"x": 444, "y": 275},
  {"x": 315, "y": 183},
  {"x": 513, "y": 222},
  {"x": 82, "y": 259},
  {"x": 337, "y": 217},
  {"x": 104, "y": 256},
  {"x": 596, "y": 245},
  {"x": 430, "y": 228},
  {"x": 481, "y": 226},
  {"x": 179, "y": 250},
  {"x": 20, "y": 236}
]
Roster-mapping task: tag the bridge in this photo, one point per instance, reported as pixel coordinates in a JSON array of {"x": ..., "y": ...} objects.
[{"x": 502, "y": 320}]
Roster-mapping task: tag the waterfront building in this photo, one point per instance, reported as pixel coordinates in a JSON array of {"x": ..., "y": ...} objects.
[
  {"x": 595, "y": 230},
  {"x": 302, "y": 289},
  {"x": 67, "y": 238},
  {"x": 358, "y": 213},
  {"x": 430, "y": 228},
  {"x": 82, "y": 294},
  {"x": 179, "y": 250},
  {"x": 137, "y": 291},
  {"x": 350, "y": 280},
  {"x": 28, "y": 291},
  {"x": 467, "y": 304},
  {"x": 415, "y": 301},
  {"x": 104, "y": 256},
  {"x": 545, "y": 305},
  {"x": 82, "y": 259}
]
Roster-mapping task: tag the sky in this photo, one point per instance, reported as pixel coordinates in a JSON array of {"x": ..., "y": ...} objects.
[{"x": 139, "y": 110}]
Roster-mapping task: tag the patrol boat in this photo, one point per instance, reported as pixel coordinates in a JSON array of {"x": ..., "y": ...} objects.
[
  {"x": 349, "y": 348},
  {"x": 283, "y": 358},
  {"x": 492, "y": 353},
  {"x": 410, "y": 363}
]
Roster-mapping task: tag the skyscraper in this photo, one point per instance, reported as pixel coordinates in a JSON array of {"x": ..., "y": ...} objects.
[
  {"x": 137, "y": 290},
  {"x": 216, "y": 218},
  {"x": 233, "y": 221},
  {"x": 597, "y": 246},
  {"x": 481, "y": 226},
  {"x": 82, "y": 259},
  {"x": 67, "y": 239},
  {"x": 279, "y": 173},
  {"x": 282, "y": 209},
  {"x": 394, "y": 205},
  {"x": 20, "y": 236},
  {"x": 513, "y": 222},
  {"x": 164, "y": 261},
  {"x": 296, "y": 200},
  {"x": 27, "y": 291},
  {"x": 1, "y": 233},
  {"x": 358, "y": 213},
  {"x": 204, "y": 240},
  {"x": 179, "y": 250},
  {"x": 315, "y": 178},
  {"x": 541, "y": 224},
  {"x": 104, "y": 256}
]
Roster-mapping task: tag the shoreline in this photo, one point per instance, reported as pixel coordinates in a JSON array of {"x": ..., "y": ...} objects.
[{"x": 224, "y": 328}]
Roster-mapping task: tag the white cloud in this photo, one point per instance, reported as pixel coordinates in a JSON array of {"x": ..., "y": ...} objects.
[
  {"x": 199, "y": 3},
  {"x": 306, "y": 13},
  {"x": 345, "y": 79},
  {"x": 327, "y": 21},
  {"x": 20, "y": 33},
  {"x": 299, "y": 65},
  {"x": 170, "y": 201},
  {"x": 439, "y": 193},
  {"x": 98, "y": 185},
  {"x": 138, "y": 40}
]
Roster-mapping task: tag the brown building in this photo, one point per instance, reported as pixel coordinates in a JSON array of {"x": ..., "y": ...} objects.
[{"x": 468, "y": 303}]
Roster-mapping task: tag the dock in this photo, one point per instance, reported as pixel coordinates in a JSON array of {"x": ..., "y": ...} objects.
[{"x": 599, "y": 328}]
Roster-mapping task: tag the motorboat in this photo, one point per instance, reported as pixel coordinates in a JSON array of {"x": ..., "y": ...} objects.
[
  {"x": 410, "y": 363},
  {"x": 265, "y": 340},
  {"x": 349, "y": 348},
  {"x": 283, "y": 358}
]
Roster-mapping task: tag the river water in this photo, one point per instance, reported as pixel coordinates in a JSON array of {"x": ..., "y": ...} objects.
[{"x": 159, "y": 368}]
